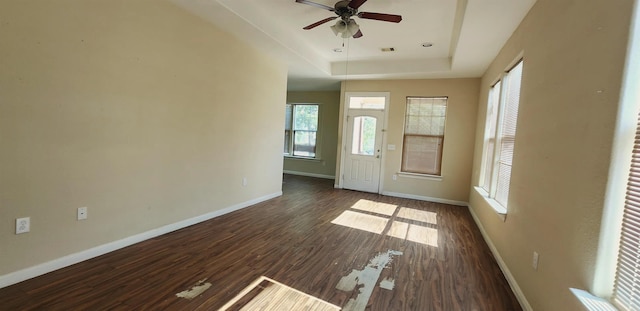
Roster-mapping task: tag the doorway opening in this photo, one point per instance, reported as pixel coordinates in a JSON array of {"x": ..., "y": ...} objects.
[{"x": 363, "y": 136}]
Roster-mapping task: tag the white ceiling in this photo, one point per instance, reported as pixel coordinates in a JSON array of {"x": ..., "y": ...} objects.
[{"x": 466, "y": 36}]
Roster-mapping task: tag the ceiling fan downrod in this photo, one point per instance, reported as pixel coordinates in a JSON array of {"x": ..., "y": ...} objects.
[{"x": 343, "y": 10}]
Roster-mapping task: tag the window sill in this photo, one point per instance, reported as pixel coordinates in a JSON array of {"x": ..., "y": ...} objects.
[
  {"x": 303, "y": 158},
  {"x": 420, "y": 176},
  {"x": 591, "y": 302},
  {"x": 500, "y": 210}
]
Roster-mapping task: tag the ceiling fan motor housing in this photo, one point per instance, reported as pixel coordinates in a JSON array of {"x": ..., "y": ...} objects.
[{"x": 343, "y": 10}]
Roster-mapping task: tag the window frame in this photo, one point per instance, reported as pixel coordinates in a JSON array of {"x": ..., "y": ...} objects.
[
  {"x": 626, "y": 277},
  {"x": 490, "y": 168},
  {"x": 440, "y": 150},
  {"x": 290, "y": 134}
]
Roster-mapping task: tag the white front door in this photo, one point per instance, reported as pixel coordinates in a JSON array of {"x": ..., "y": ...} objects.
[{"x": 363, "y": 150}]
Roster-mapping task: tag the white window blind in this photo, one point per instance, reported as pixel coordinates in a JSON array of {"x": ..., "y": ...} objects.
[
  {"x": 490, "y": 139},
  {"x": 424, "y": 135},
  {"x": 301, "y": 127},
  {"x": 507, "y": 134},
  {"x": 500, "y": 137},
  {"x": 287, "y": 128},
  {"x": 627, "y": 284}
]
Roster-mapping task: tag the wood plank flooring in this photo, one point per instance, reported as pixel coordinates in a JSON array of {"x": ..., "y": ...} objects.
[{"x": 444, "y": 264}]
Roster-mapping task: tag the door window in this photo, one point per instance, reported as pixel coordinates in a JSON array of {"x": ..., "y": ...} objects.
[{"x": 364, "y": 136}]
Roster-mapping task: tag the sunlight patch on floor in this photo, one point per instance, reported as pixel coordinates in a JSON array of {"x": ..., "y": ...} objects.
[
  {"x": 361, "y": 221},
  {"x": 421, "y": 233},
  {"x": 414, "y": 233},
  {"x": 375, "y": 207},
  {"x": 268, "y": 295},
  {"x": 418, "y": 215}
]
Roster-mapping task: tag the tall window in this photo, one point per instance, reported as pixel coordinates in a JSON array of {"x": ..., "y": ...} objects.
[
  {"x": 424, "y": 135},
  {"x": 300, "y": 131},
  {"x": 500, "y": 134},
  {"x": 627, "y": 284}
]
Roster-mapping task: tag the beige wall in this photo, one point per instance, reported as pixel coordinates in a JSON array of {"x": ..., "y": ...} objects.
[
  {"x": 574, "y": 55},
  {"x": 458, "y": 142},
  {"x": 327, "y": 144},
  {"x": 135, "y": 109}
]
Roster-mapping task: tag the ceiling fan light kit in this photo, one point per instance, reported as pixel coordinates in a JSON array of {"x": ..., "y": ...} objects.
[
  {"x": 345, "y": 10},
  {"x": 347, "y": 29}
]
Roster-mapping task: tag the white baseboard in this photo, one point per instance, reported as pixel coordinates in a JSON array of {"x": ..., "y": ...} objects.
[
  {"x": 31, "y": 272},
  {"x": 503, "y": 266},
  {"x": 308, "y": 174},
  {"x": 424, "y": 198}
]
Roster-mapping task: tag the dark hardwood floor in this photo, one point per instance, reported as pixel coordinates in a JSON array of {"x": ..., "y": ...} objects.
[{"x": 290, "y": 239}]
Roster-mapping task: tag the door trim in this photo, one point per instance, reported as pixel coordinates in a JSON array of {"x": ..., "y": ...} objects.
[{"x": 343, "y": 146}]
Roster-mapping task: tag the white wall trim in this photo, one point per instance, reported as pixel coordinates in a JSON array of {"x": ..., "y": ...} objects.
[
  {"x": 308, "y": 174},
  {"x": 424, "y": 198},
  {"x": 31, "y": 272},
  {"x": 503, "y": 266}
]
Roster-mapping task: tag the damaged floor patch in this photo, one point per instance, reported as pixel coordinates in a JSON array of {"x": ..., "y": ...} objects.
[
  {"x": 195, "y": 290},
  {"x": 365, "y": 280},
  {"x": 388, "y": 284}
]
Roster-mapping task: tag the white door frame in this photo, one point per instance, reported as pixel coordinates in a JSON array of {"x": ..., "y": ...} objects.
[{"x": 383, "y": 151}]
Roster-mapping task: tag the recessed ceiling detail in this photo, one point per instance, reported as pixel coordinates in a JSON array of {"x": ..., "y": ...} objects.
[{"x": 469, "y": 34}]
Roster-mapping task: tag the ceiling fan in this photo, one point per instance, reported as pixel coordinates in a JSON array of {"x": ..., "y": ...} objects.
[{"x": 346, "y": 9}]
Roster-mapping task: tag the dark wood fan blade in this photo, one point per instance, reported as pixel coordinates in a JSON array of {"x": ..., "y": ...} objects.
[
  {"x": 357, "y": 34},
  {"x": 318, "y": 5},
  {"x": 381, "y": 17},
  {"x": 318, "y": 23},
  {"x": 356, "y": 3}
]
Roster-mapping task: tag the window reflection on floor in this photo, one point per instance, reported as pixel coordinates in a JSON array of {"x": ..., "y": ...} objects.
[
  {"x": 361, "y": 221},
  {"x": 375, "y": 207},
  {"x": 422, "y": 233}
]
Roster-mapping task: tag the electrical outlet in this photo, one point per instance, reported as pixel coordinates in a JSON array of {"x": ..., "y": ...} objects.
[
  {"x": 395, "y": 177},
  {"x": 82, "y": 213},
  {"x": 23, "y": 225},
  {"x": 244, "y": 181},
  {"x": 534, "y": 264}
]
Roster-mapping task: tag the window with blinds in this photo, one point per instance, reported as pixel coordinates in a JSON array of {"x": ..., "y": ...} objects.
[
  {"x": 424, "y": 135},
  {"x": 490, "y": 137},
  {"x": 500, "y": 134},
  {"x": 627, "y": 282},
  {"x": 300, "y": 130}
]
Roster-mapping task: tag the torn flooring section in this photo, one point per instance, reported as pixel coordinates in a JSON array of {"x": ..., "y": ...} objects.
[
  {"x": 195, "y": 290},
  {"x": 365, "y": 280}
]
